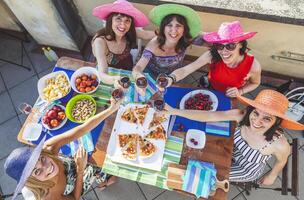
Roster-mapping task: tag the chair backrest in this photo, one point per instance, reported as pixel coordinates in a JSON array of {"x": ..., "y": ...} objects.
[
  {"x": 296, "y": 103},
  {"x": 294, "y": 171}
]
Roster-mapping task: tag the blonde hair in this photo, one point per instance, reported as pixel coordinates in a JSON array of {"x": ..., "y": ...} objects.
[{"x": 41, "y": 188}]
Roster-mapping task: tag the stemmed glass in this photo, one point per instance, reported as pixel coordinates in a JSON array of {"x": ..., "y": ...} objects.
[
  {"x": 162, "y": 82},
  {"x": 159, "y": 104},
  {"x": 117, "y": 94},
  {"x": 125, "y": 83},
  {"x": 25, "y": 108},
  {"x": 142, "y": 84}
]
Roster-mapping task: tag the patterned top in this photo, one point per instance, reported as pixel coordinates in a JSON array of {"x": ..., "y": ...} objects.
[
  {"x": 163, "y": 64},
  {"x": 91, "y": 174},
  {"x": 248, "y": 164}
]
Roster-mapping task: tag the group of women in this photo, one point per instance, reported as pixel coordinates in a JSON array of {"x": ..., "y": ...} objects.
[{"x": 232, "y": 71}]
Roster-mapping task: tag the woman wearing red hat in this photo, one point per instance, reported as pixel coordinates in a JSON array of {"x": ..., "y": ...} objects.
[
  {"x": 232, "y": 70},
  {"x": 112, "y": 45},
  {"x": 50, "y": 176},
  {"x": 257, "y": 137}
]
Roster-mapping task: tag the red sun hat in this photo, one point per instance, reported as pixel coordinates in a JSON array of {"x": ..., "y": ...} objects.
[
  {"x": 124, "y": 7},
  {"x": 228, "y": 32}
]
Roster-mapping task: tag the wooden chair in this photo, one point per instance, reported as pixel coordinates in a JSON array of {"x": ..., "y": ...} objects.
[{"x": 294, "y": 189}]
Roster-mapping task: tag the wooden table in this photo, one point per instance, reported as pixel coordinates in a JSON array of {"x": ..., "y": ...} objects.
[{"x": 217, "y": 149}]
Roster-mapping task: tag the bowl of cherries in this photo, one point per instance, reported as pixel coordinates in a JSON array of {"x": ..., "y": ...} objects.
[
  {"x": 54, "y": 118},
  {"x": 196, "y": 139},
  {"x": 199, "y": 100}
]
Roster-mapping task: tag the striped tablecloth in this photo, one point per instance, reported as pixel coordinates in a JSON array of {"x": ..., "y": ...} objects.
[{"x": 172, "y": 154}]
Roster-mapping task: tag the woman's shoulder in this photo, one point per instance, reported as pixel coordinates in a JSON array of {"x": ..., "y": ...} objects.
[
  {"x": 152, "y": 45},
  {"x": 256, "y": 66}
]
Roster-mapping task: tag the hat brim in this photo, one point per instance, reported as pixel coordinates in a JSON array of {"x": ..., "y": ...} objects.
[
  {"x": 158, "y": 13},
  {"x": 286, "y": 122},
  {"x": 30, "y": 165},
  {"x": 213, "y": 37},
  {"x": 103, "y": 11}
]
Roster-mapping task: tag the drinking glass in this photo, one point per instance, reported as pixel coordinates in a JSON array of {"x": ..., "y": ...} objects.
[
  {"x": 162, "y": 82},
  {"x": 25, "y": 108},
  {"x": 159, "y": 104}
]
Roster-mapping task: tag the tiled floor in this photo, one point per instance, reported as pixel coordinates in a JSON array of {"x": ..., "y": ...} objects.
[{"x": 19, "y": 85}]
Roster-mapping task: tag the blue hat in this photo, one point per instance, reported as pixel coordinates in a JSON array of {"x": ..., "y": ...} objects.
[{"x": 20, "y": 164}]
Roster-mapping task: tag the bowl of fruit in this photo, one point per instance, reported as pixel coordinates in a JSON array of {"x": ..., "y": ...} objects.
[
  {"x": 54, "y": 118},
  {"x": 80, "y": 108},
  {"x": 85, "y": 80},
  {"x": 199, "y": 100}
]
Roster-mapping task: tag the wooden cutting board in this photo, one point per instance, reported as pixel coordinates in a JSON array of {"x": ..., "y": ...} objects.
[{"x": 175, "y": 173}]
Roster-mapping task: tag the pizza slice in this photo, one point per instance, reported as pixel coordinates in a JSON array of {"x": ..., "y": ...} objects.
[
  {"x": 130, "y": 150},
  {"x": 146, "y": 148},
  {"x": 124, "y": 139},
  {"x": 128, "y": 115},
  {"x": 158, "y": 133},
  {"x": 140, "y": 113},
  {"x": 157, "y": 119}
]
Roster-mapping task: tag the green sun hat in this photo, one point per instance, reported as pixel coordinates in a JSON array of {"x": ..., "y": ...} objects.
[{"x": 157, "y": 14}]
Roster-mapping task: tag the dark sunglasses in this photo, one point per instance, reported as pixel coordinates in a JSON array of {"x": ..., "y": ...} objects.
[{"x": 229, "y": 47}]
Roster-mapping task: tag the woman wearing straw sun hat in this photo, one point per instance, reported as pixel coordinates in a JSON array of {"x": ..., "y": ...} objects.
[
  {"x": 112, "y": 45},
  {"x": 258, "y": 135},
  {"x": 232, "y": 70},
  {"x": 178, "y": 25},
  {"x": 49, "y": 176}
]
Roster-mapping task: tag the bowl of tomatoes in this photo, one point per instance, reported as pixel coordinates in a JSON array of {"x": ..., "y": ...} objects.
[
  {"x": 85, "y": 80},
  {"x": 54, "y": 117}
]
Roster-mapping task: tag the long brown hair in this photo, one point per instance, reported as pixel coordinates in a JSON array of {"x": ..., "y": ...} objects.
[
  {"x": 109, "y": 34},
  {"x": 41, "y": 188},
  {"x": 183, "y": 42}
]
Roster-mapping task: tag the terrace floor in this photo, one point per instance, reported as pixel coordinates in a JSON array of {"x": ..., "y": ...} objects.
[{"x": 18, "y": 85}]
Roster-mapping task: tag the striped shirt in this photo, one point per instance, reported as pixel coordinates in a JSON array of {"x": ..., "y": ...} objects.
[{"x": 248, "y": 164}]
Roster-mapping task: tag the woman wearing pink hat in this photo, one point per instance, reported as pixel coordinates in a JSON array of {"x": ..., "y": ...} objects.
[
  {"x": 257, "y": 137},
  {"x": 112, "y": 45},
  {"x": 50, "y": 176},
  {"x": 232, "y": 70}
]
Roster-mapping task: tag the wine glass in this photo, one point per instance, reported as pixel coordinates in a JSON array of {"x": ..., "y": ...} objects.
[
  {"x": 159, "y": 104},
  {"x": 25, "y": 108},
  {"x": 117, "y": 94},
  {"x": 162, "y": 82},
  {"x": 125, "y": 82},
  {"x": 142, "y": 84}
]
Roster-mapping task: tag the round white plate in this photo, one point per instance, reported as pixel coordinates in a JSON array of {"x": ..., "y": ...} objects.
[
  {"x": 212, "y": 97},
  {"x": 198, "y": 136}
]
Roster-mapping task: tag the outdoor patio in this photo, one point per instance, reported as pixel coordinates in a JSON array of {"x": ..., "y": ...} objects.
[{"x": 19, "y": 85}]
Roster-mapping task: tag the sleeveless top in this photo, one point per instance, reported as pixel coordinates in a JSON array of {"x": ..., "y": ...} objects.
[
  {"x": 163, "y": 64},
  {"x": 221, "y": 76},
  {"x": 91, "y": 173},
  {"x": 120, "y": 61},
  {"x": 248, "y": 164}
]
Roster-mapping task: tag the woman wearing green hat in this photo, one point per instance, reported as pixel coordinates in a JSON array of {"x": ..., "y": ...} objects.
[{"x": 178, "y": 25}]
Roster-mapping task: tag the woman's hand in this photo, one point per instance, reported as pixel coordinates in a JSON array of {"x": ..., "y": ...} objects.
[
  {"x": 268, "y": 179},
  {"x": 167, "y": 110},
  {"x": 116, "y": 103},
  {"x": 232, "y": 92},
  {"x": 81, "y": 159}
]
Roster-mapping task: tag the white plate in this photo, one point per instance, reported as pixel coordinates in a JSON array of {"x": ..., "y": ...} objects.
[
  {"x": 197, "y": 135},
  {"x": 62, "y": 122},
  {"x": 122, "y": 127},
  {"x": 212, "y": 97},
  {"x": 32, "y": 131},
  {"x": 84, "y": 70},
  {"x": 42, "y": 83}
]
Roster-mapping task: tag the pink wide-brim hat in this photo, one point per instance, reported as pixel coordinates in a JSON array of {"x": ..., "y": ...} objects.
[
  {"x": 124, "y": 7},
  {"x": 228, "y": 32}
]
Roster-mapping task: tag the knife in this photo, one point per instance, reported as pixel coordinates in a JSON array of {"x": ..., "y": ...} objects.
[{"x": 171, "y": 124}]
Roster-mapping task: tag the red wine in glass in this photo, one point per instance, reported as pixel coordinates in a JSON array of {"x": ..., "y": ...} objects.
[
  {"x": 25, "y": 108},
  {"x": 141, "y": 82},
  {"x": 117, "y": 94},
  {"x": 162, "y": 81},
  {"x": 159, "y": 104},
  {"x": 125, "y": 82}
]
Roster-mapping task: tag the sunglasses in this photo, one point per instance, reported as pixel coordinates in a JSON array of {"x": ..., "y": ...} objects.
[{"x": 229, "y": 47}]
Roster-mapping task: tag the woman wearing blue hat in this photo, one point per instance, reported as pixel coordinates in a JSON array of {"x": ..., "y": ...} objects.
[
  {"x": 178, "y": 25},
  {"x": 50, "y": 176}
]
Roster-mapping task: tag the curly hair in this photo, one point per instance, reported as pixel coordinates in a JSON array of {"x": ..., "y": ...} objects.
[
  {"x": 270, "y": 132},
  {"x": 109, "y": 34},
  {"x": 183, "y": 42},
  {"x": 216, "y": 56}
]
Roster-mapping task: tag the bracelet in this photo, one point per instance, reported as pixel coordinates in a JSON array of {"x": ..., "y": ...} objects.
[{"x": 173, "y": 78}]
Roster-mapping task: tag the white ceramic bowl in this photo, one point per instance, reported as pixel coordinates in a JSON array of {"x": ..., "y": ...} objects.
[
  {"x": 212, "y": 97},
  {"x": 62, "y": 122},
  {"x": 87, "y": 71},
  {"x": 198, "y": 135},
  {"x": 42, "y": 84}
]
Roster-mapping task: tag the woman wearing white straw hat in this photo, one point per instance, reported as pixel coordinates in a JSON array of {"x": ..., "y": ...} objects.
[
  {"x": 257, "y": 137},
  {"x": 112, "y": 44},
  {"x": 232, "y": 70},
  {"x": 50, "y": 176}
]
